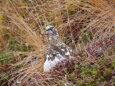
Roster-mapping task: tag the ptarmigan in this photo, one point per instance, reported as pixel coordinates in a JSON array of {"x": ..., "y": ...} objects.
[{"x": 57, "y": 51}]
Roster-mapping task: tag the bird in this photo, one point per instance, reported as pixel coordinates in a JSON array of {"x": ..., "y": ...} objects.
[{"x": 57, "y": 50}]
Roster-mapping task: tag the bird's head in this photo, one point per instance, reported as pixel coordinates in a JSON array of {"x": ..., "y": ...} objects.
[{"x": 50, "y": 30}]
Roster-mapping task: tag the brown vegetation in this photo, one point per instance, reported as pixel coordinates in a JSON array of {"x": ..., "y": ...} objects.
[{"x": 85, "y": 25}]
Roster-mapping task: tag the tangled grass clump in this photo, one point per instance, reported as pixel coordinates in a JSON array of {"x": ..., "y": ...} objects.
[{"x": 87, "y": 26}]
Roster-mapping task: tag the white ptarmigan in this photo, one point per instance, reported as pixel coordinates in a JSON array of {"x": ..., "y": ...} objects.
[{"x": 57, "y": 52}]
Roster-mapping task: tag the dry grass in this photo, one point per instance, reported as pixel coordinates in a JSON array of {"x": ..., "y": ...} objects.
[
  {"x": 2, "y": 41},
  {"x": 80, "y": 23}
]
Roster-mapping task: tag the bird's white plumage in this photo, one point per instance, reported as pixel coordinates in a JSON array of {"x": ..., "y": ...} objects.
[
  {"x": 62, "y": 50},
  {"x": 57, "y": 52},
  {"x": 51, "y": 63},
  {"x": 61, "y": 58},
  {"x": 49, "y": 26},
  {"x": 67, "y": 53}
]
